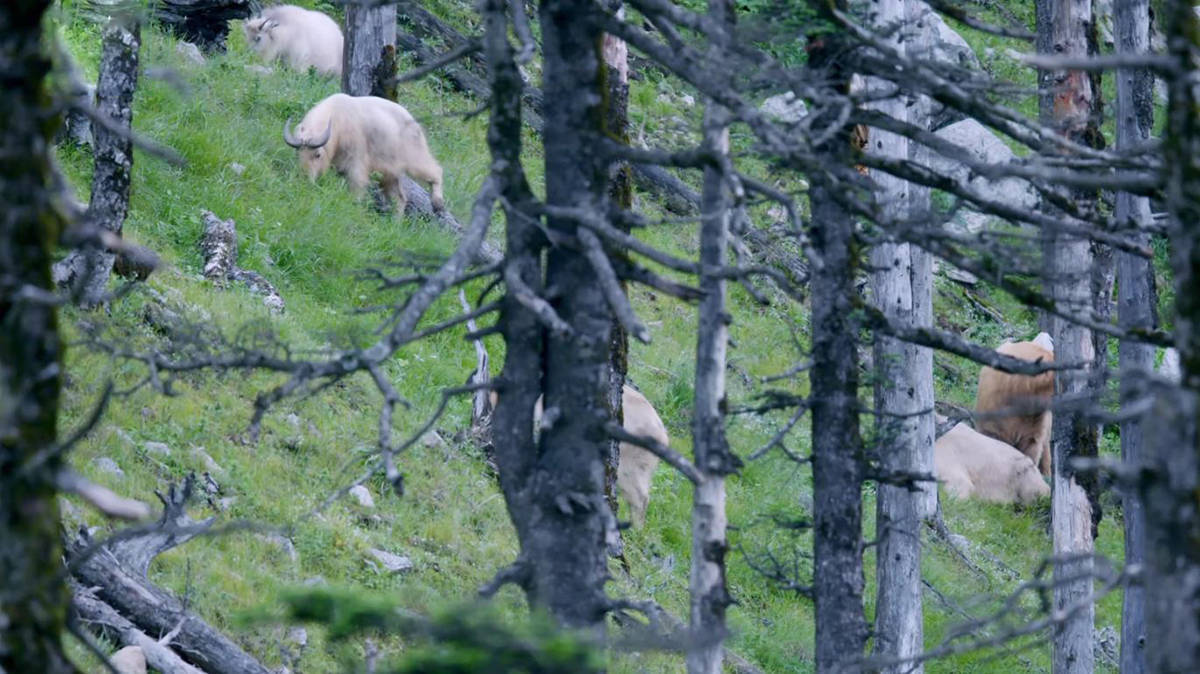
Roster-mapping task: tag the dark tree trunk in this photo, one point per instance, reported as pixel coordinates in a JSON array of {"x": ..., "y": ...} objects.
[
  {"x": 370, "y": 31},
  {"x": 1169, "y": 495},
  {"x": 1136, "y": 304},
  {"x": 713, "y": 457},
  {"x": 620, "y": 191},
  {"x": 205, "y": 22},
  {"x": 87, "y": 269},
  {"x": 568, "y": 545},
  {"x": 841, "y": 626},
  {"x": 33, "y": 596}
]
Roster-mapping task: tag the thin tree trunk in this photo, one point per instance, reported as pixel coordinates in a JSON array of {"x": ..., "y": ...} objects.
[
  {"x": 905, "y": 439},
  {"x": 620, "y": 191},
  {"x": 370, "y": 31},
  {"x": 87, "y": 269},
  {"x": 1069, "y": 274},
  {"x": 841, "y": 626},
  {"x": 1136, "y": 303},
  {"x": 33, "y": 595},
  {"x": 1173, "y": 456},
  {"x": 709, "y": 595}
]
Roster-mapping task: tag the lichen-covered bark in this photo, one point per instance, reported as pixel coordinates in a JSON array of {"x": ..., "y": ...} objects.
[
  {"x": 33, "y": 598},
  {"x": 370, "y": 30},
  {"x": 841, "y": 626},
  {"x": 1136, "y": 302}
]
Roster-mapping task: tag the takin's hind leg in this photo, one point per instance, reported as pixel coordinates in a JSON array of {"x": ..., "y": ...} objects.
[
  {"x": 431, "y": 174},
  {"x": 394, "y": 191}
]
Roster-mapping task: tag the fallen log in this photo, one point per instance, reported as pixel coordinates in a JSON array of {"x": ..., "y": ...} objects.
[
  {"x": 104, "y": 621},
  {"x": 204, "y": 22},
  {"x": 419, "y": 203},
  {"x": 218, "y": 246},
  {"x": 116, "y": 572}
]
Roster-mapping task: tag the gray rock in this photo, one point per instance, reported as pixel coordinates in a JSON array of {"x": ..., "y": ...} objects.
[
  {"x": 298, "y": 636},
  {"x": 785, "y": 107},
  {"x": 129, "y": 660},
  {"x": 315, "y": 581},
  {"x": 238, "y": 169},
  {"x": 293, "y": 420},
  {"x": 961, "y": 275},
  {"x": 107, "y": 465},
  {"x": 986, "y": 147},
  {"x": 209, "y": 463},
  {"x": 362, "y": 495},
  {"x": 159, "y": 448},
  {"x": 224, "y": 504},
  {"x": 391, "y": 562},
  {"x": 190, "y": 52},
  {"x": 687, "y": 100},
  {"x": 282, "y": 542},
  {"x": 432, "y": 439},
  {"x": 259, "y": 69}
]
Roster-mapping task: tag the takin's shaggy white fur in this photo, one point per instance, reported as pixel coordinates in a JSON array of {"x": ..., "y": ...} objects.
[
  {"x": 298, "y": 36},
  {"x": 635, "y": 466},
  {"x": 1027, "y": 429},
  {"x": 361, "y": 135},
  {"x": 972, "y": 465}
]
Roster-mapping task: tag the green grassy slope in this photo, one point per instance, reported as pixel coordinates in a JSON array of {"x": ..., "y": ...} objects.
[{"x": 311, "y": 240}]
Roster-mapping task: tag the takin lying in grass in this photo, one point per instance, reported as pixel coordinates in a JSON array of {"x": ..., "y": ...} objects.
[
  {"x": 1013, "y": 408},
  {"x": 361, "y": 135},
  {"x": 972, "y": 465},
  {"x": 299, "y": 37},
  {"x": 635, "y": 466}
]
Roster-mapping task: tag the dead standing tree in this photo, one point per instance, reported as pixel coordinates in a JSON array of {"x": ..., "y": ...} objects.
[
  {"x": 86, "y": 270},
  {"x": 369, "y": 51}
]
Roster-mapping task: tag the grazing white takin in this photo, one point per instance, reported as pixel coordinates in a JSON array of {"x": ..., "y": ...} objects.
[
  {"x": 297, "y": 36},
  {"x": 361, "y": 135},
  {"x": 972, "y": 465},
  {"x": 1028, "y": 430},
  {"x": 635, "y": 466}
]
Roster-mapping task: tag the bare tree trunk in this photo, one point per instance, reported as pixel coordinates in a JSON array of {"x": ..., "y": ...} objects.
[
  {"x": 87, "y": 269},
  {"x": 713, "y": 458},
  {"x": 1136, "y": 303},
  {"x": 1069, "y": 276},
  {"x": 1172, "y": 453},
  {"x": 620, "y": 191},
  {"x": 33, "y": 595},
  {"x": 370, "y": 32},
  {"x": 841, "y": 626},
  {"x": 904, "y": 417}
]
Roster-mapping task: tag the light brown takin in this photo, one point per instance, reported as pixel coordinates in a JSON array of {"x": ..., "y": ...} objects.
[
  {"x": 1014, "y": 408},
  {"x": 361, "y": 135},
  {"x": 635, "y": 465},
  {"x": 972, "y": 465},
  {"x": 300, "y": 37}
]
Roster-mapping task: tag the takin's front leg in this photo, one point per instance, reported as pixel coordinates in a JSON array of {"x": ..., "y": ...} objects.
[{"x": 357, "y": 180}]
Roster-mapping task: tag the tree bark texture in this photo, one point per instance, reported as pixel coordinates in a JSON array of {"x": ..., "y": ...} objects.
[
  {"x": 1073, "y": 99},
  {"x": 841, "y": 626},
  {"x": 370, "y": 30},
  {"x": 33, "y": 598},
  {"x": 1136, "y": 302},
  {"x": 205, "y": 22},
  {"x": 620, "y": 191},
  {"x": 713, "y": 457},
  {"x": 87, "y": 269},
  {"x": 569, "y": 545},
  {"x": 903, "y": 397},
  {"x": 1172, "y": 453}
]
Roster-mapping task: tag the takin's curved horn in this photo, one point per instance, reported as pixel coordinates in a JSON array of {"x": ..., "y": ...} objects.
[
  {"x": 324, "y": 138},
  {"x": 288, "y": 137}
]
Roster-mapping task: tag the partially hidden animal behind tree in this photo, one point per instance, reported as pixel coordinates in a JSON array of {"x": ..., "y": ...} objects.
[
  {"x": 300, "y": 37},
  {"x": 972, "y": 465},
  {"x": 1014, "y": 408},
  {"x": 361, "y": 135},
  {"x": 635, "y": 465}
]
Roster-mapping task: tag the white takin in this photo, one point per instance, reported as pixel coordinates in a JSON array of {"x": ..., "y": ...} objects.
[
  {"x": 972, "y": 465},
  {"x": 301, "y": 37},
  {"x": 635, "y": 466},
  {"x": 361, "y": 135}
]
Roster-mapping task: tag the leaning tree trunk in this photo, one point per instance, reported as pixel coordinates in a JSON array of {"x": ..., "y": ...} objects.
[
  {"x": 713, "y": 457},
  {"x": 33, "y": 595},
  {"x": 86, "y": 270},
  {"x": 841, "y": 626},
  {"x": 370, "y": 45},
  {"x": 1172, "y": 453},
  {"x": 1136, "y": 304},
  {"x": 903, "y": 399}
]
